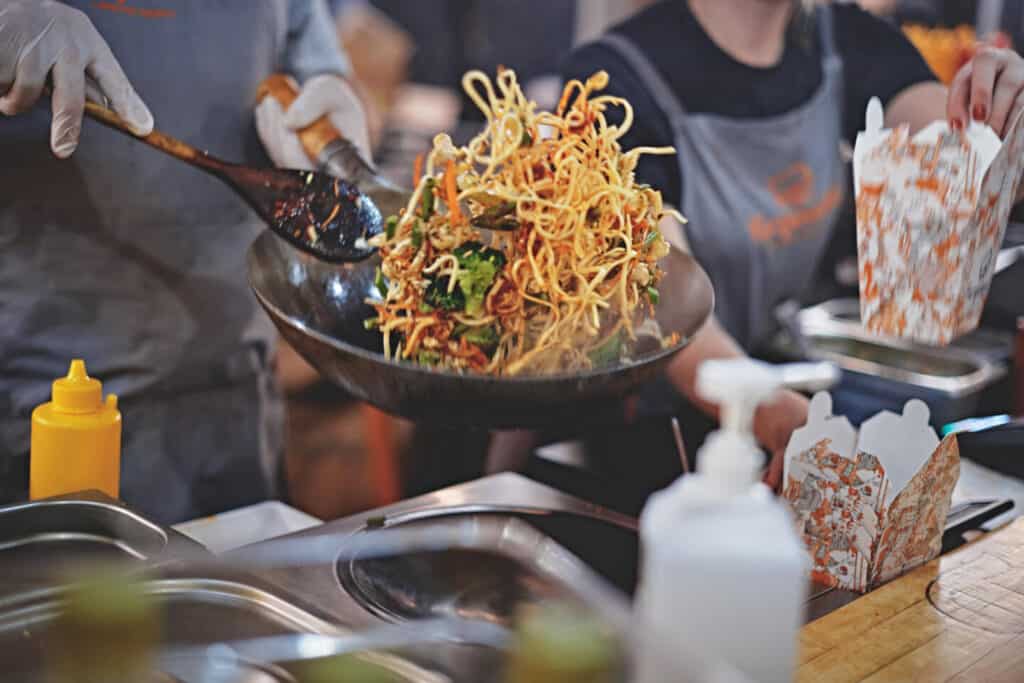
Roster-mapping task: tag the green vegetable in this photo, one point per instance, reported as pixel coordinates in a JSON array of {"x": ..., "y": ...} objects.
[
  {"x": 390, "y": 226},
  {"x": 484, "y": 336},
  {"x": 438, "y": 296},
  {"x": 607, "y": 352},
  {"x": 654, "y": 295},
  {"x": 380, "y": 283},
  {"x": 526, "y": 140},
  {"x": 371, "y": 324},
  {"x": 417, "y": 235},
  {"x": 478, "y": 267},
  {"x": 425, "y": 307},
  {"x": 427, "y": 200},
  {"x": 345, "y": 669},
  {"x": 428, "y": 357},
  {"x": 651, "y": 237}
]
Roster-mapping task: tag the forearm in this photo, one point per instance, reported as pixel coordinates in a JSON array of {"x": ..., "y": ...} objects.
[
  {"x": 712, "y": 342},
  {"x": 774, "y": 420},
  {"x": 312, "y": 46},
  {"x": 917, "y": 106}
]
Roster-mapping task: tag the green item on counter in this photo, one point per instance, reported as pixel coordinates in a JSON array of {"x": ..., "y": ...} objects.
[
  {"x": 108, "y": 630},
  {"x": 560, "y": 644},
  {"x": 345, "y": 669}
]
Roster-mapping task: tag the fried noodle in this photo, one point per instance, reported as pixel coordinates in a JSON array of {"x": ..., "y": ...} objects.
[{"x": 531, "y": 248}]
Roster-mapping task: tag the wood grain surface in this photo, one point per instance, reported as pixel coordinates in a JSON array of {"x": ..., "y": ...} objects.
[{"x": 957, "y": 618}]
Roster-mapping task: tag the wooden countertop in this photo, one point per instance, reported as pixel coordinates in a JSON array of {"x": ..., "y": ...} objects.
[{"x": 957, "y": 618}]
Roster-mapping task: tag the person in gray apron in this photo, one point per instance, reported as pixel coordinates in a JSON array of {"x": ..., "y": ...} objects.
[
  {"x": 134, "y": 261},
  {"x": 759, "y": 177}
]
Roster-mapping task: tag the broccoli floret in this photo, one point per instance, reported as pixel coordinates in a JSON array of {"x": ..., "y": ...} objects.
[
  {"x": 438, "y": 296},
  {"x": 478, "y": 267},
  {"x": 485, "y": 336},
  {"x": 607, "y": 352},
  {"x": 428, "y": 357}
]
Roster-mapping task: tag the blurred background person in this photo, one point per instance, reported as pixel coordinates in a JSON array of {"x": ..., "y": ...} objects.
[{"x": 113, "y": 252}]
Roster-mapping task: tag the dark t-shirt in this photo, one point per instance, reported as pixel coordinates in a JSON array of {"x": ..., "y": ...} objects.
[{"x": 877, "y": 61}]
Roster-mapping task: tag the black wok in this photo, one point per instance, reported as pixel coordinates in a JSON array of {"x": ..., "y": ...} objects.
[{"x": 320, "y": 308}]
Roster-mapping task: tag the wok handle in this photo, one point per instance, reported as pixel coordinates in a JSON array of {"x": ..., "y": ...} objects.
[{"x": 315, "y": 137}]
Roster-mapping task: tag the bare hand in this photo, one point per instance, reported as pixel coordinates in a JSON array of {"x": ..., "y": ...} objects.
[
  {"x": 774, "y": 423},
  {"x": 988, "y": 89}
]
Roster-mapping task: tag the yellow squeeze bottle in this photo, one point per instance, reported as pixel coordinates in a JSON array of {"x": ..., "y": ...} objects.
[{"x": 76, "y": 439}]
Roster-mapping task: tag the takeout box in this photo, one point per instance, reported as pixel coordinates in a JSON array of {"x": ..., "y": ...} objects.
[
  {"x": 870, "y": 504},
  {"x": 932, "y": 210}
]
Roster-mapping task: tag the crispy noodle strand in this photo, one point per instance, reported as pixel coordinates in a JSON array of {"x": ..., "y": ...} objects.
[{"x": 579, "y": 263}]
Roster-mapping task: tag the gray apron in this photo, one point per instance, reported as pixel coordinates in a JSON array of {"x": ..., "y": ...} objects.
[
  {"x": 761, "y": 195},
  {"x": 136, "y": 262}
]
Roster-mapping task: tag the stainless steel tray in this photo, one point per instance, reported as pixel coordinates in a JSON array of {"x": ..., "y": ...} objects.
[
  {"x": 48, "y": 535},
  {"x": 196, "y": 612}
]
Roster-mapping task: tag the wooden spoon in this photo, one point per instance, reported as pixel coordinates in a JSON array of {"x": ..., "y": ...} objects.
[{"x": 321, "y": 215}]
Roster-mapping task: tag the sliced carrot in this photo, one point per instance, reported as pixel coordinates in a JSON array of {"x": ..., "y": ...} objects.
[
  {"x": 451, "y": 192},
  {"x": 417, "y": 169}
]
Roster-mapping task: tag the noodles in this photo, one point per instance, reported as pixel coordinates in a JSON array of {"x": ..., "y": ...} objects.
[{"x": 528, "y": 250}]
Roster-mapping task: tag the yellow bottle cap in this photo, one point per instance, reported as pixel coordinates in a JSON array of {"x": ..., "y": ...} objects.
[{"x": 77, "y": 393}]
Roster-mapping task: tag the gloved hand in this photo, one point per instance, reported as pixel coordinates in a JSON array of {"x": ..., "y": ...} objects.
[
  {"x": 39, "y": 38},
  {"x": 321, "y": 95}
]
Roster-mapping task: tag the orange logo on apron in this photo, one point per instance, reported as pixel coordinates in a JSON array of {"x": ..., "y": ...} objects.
[
  {"x": 122, "y": 7},
  {"x": 793, "y": 189}
]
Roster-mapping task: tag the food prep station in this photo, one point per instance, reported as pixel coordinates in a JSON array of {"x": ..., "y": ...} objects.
[{"x": 435, "y": 603}]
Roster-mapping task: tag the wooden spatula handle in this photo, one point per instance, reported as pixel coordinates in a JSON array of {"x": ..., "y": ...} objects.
[
  {"x": 161, "y": 141},
  {"x": 314, "y": 137}
]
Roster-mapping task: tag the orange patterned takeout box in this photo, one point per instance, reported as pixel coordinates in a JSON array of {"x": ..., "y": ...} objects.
[
  {"x": 870, "y": 505},
  {"x": 932, "y": 210}
]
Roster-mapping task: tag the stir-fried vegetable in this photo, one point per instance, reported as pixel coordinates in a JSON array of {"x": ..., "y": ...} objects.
[
  {"x": 484, "y": 336},
  {"x": 478, "y": 267},
  {"x": 438, "y": 296},
  {"x": 609, "y": 351}
]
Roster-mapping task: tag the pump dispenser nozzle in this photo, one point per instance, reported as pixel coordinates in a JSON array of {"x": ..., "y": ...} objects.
[{"x": 730, "y": 458}]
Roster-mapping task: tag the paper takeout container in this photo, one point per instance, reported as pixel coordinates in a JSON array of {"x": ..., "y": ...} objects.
[
  {"x": 931, "y": 213},
  {"x": 870, "y": 504}
]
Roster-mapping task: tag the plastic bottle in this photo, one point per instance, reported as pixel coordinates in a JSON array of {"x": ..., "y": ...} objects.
[
  {"x": 722, "y": 566},
  {"x": 76, "y": 439}
]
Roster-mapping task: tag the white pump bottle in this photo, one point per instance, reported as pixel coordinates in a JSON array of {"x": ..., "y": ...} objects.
[{"x": 722, "y": 566}]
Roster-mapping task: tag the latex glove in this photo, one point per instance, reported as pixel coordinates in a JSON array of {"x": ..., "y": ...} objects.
[
  {"x": 774, "y": 423},
  {"x": 39, "y": 38},
  {"x": 325, "y": 95}
]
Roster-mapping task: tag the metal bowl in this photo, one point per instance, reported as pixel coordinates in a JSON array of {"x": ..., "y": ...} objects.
[{"x": 320, "y": 308}]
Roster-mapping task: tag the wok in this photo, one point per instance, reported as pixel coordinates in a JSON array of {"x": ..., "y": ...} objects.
[{"x": 320, "y": 308}]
